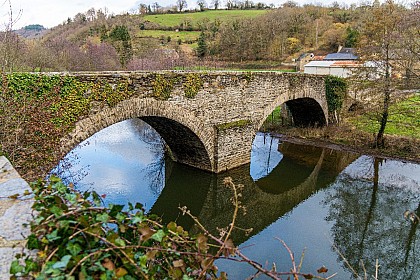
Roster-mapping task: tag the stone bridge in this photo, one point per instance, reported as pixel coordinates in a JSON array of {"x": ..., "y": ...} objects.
[{"x": 209, "y": 119}]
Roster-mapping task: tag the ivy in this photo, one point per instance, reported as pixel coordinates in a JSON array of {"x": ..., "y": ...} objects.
[
  {"x": 77, "y": 237},
  {"x": 37, "y": 110},
  {"x": 192, "y": 84},
  {"x": 248, "y": 77},
  {"x": 162, "y": 87},
  {"x": 335, "y": 89}
]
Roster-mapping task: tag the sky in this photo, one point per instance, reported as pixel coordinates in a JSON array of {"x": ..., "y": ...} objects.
[{"x": 50, "y": 13}]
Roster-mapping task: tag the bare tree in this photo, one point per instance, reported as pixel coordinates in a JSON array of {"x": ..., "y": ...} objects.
[
  {"x": 202, "y": 4},
  {"x": 156, "y": 7},
  {"x": 216, "y": 4},
  {"x": 383, "y": 46},
  {"x": 143, "y": 9},
  {"x": 9, "y": 42},
  {"x": 181, "y": 5}
]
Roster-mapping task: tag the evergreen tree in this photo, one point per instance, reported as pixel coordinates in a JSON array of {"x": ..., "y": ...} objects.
[
  {"x": 121, "y": 41},
  {"x": 202, "y": 45}
]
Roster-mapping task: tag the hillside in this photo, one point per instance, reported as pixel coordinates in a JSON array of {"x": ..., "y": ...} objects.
[
  {"x": 237, "y": 38},
  {"x": 32, "y": 31},
  {"x": 152, "y": 41}
]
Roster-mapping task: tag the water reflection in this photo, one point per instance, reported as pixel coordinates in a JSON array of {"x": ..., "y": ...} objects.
[
  {"x": 307, "y": 196},
  {"x": 366, "y": 205},
  {"x": 125, "y": 162}
]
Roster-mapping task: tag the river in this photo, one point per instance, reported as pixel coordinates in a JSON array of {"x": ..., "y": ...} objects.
[{"x": 326, "y": 203}]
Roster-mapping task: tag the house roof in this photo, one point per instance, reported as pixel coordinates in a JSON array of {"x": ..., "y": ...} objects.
[
  {"x": 341, "y": 56},
  {"x": 303, "y": 55},
  {"x": 347, "y": 50},
  {"x": 318, "y": 57}
]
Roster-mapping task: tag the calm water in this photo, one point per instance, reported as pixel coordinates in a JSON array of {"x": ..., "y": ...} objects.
[{"x": 316, "y": 200}]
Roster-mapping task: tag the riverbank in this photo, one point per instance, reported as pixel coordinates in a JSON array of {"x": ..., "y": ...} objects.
[{"x": 348, "y": 138}]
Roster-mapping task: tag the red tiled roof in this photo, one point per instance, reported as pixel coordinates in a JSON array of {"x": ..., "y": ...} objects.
[
  {"x": 347, "y": 63},
  {"x": 318, "y": 57}
]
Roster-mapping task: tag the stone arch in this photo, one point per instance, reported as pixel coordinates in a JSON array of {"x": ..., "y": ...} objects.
[
  {"x": 299, "y": 106},
  {"x": 299, "y": 109},
  {"x": 171, "y": 121}
]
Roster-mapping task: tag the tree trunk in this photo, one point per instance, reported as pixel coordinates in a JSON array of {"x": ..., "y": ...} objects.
[{"x": 380, "y": 140}]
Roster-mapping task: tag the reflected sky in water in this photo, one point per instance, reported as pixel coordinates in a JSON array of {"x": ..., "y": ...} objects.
[
  {"x": 118, "y": 162},
  {"x": 309, "y": 197},
  {"x": 265, "y": 156}
]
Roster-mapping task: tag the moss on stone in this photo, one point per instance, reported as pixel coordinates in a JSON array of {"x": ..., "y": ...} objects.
[{"x": 238, "y": 123}]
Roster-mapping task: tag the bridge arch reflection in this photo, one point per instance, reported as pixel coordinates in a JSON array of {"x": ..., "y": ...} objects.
[{"x": 210, "y": 200}]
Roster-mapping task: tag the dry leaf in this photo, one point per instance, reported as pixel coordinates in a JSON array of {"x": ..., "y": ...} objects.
[
  {"x": 108, "y": 264},
  {"x": 323, "y": 269}
]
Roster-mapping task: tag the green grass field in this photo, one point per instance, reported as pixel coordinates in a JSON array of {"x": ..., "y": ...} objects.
[
  {"x": 403, "y": 120},
  {"x": 170, "y": 20}
]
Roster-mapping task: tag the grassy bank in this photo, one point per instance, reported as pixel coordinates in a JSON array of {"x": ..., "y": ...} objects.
[{"x": 404, "y": 119}]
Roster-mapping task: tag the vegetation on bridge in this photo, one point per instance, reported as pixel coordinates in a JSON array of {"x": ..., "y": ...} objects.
[
  {"x": 192, "y": 84},
  {"x": 163, "y": 85},
  {"x": 335, "y": 90},
  {"x": 36, "y": 111}
]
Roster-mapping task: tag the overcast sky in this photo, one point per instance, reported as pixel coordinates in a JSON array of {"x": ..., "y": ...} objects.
[{"x": 50, "y": 13}]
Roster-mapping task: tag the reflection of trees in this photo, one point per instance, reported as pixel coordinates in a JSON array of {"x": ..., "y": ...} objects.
[
  {"x": 410, "y": 246},
  {"x": 369, "y": 225},
  {"x": 66, "y": 168},
  {"x": 154, "y": 172}
]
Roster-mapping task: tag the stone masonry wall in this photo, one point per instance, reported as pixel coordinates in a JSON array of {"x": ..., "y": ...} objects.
[
  {"x": 222, "y": 99},
  {"x": 15, "y": 213}
]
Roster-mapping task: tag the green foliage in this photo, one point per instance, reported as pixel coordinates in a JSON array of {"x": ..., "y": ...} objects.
[
  {"x": 192, "y": 84},
  {"x": 248, "y": 76},
  {"x": 162, "y": 87},
  {"x": 183, "y": 36},
  {"x": 121, "y": 40},
  {"x": 202, "y": 45},
  {"x": 76, "y": 237},
  {"x": 36, "y": 27},
  {"x": 273, "y": 121},
  {"x": 109, "y": 94},
  {"x": 120, "y": 33},
  {"x": 352, "y": 37},
  {"x": 335, "y": 89}
]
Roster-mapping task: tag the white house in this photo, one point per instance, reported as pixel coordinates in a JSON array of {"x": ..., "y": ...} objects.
[
  {"x": 341, "y": 64},
  {"x": 342, "y": 69}
]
